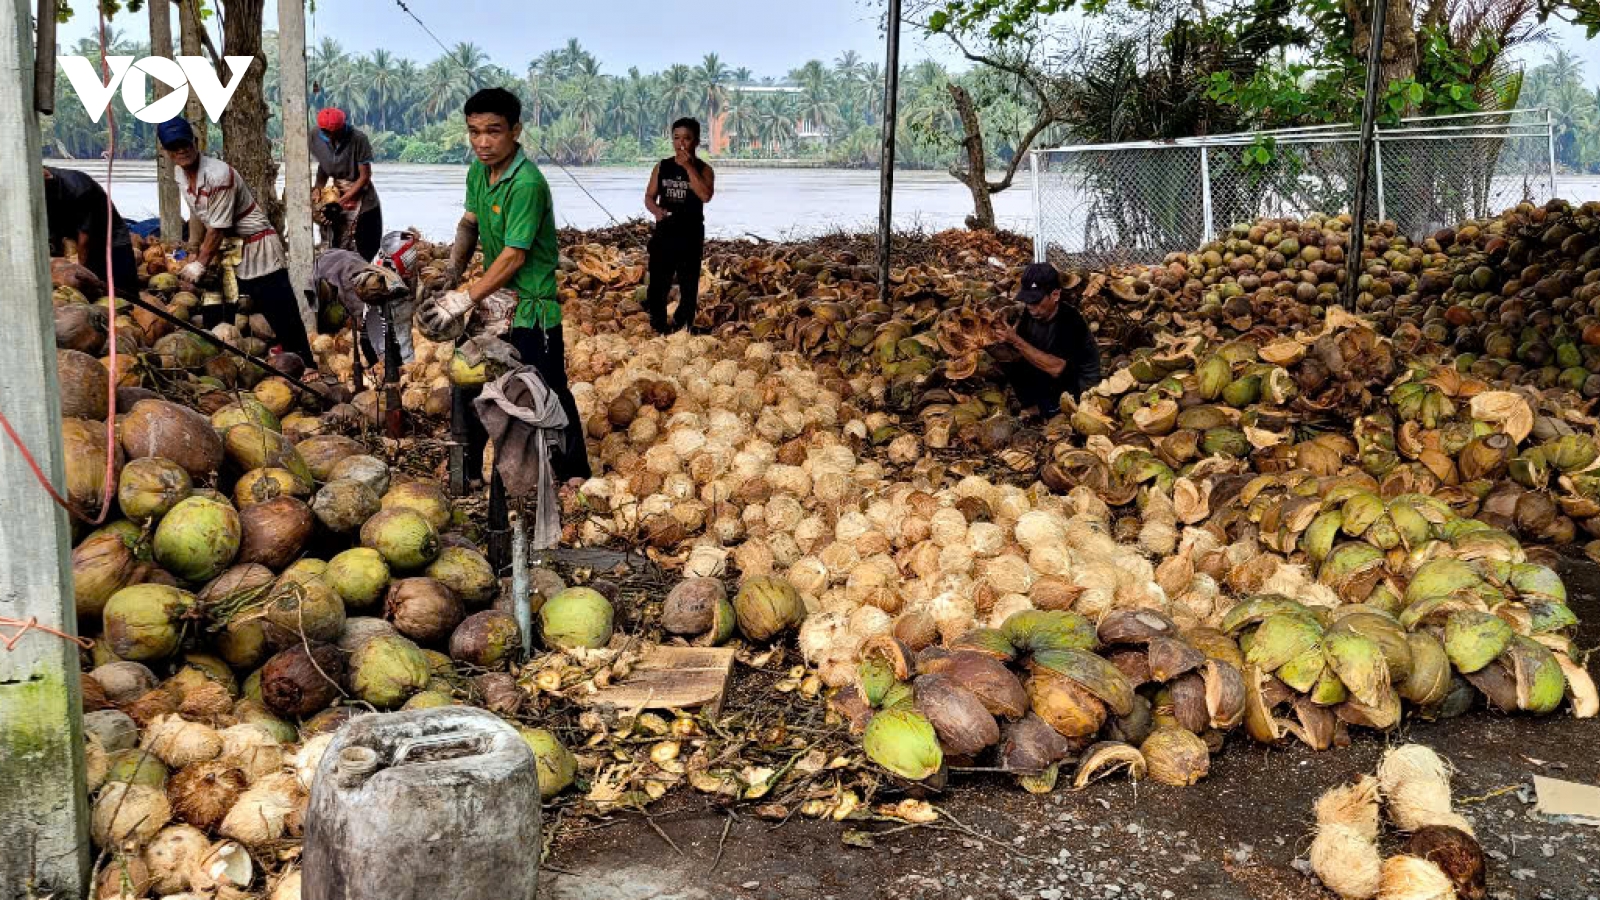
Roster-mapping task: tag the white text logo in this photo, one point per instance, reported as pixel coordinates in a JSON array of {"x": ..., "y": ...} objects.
[{"x": 181, "y": 75}]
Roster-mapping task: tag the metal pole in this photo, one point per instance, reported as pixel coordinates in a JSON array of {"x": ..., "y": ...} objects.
[
  {"x": 521, "y": 602},
  {"x": 296, "y": 149},
  {"x": 44, "y": 58},
  {"x": 1377, "y": 173},
  {"x": 167, "y": 199},
  {"x": 891, "y": 95},
  {"x": 1038, "y": 207},
  {"x": 43, "y": 797},
  {"x": 1369, "y": 121},
  {"x": 1209, "y": 233},
  {"x": 1550, "y": 136}
]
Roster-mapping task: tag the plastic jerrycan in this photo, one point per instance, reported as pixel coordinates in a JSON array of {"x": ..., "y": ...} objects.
[{"x": 431, "y": 804}]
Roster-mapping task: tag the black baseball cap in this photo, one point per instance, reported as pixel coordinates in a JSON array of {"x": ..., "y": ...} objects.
[{"x": 1039, "y": 280}]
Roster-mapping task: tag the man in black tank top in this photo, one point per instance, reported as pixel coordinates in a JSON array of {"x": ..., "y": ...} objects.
[{"x": 679, "y": 189}]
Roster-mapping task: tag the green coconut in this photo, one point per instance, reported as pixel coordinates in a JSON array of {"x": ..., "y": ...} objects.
[
  {"x": 386, "y": 670},
  {"x": 248, "y": 411},
  {"x": 145, "y": 621},
  {"x": 403, "y": 536},
  {"x": 767, "y": 606},
  {"x": 344, "y": 505},
  {"x": 466, "y": 572},
  {"x": 576, "y": 617},
  {"x": 306, "y": 607},
  {"x": 428, "y": 700},
  {"x": 1473, "y": 639},
  {"x": 425, "y": 497},
  {"x": 903, "y": 741},
  {"x": 101, "y": 566},
  {"x": 151, "y": 487},
  {"x": 197, "y": 539},
  {"x": 486, "y": 639},
  {"x": 135, "y": 766},
  {"x": 359, "y": 575},
  {"x": 556, "y": 764},
  {"x": 251, "y": 446}
]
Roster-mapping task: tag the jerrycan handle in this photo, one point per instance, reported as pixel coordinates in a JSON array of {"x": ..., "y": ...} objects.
[{"x": 438, "y": 747}]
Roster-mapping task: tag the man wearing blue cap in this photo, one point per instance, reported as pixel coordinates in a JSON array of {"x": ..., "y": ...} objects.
[
  {"x": 218, "y": 197},
  {"x": 1057, "y": 351}
]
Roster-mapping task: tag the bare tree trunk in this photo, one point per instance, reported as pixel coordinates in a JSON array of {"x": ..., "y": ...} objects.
[
  {"x": 975, "y": 177},
  {"x": 189, "y": 40},
  {"x": 166, "y": 178},
  {"x": 244, "y": 123}
]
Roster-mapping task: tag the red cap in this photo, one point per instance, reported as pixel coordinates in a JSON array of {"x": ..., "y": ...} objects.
[{"x": 331, "y": 119}]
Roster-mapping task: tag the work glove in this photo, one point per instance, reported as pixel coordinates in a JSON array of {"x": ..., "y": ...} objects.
[
  {"x": 193, "y": 272},
  {"x": 444, "y": 317},
  {"x": 452, "y": 277}
]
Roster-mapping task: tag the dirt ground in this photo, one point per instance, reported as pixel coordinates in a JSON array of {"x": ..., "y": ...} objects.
[{"x": 1241, "y": 834}]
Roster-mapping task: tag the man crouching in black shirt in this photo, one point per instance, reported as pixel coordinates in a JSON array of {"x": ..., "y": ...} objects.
[{"x": 1058, "y": 352}]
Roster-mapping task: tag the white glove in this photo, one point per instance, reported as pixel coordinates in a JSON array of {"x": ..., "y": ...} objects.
[
  {"x": 456, "y": 304},
  {"x": 436, "y": 323},
  {"x": 193, "y": 272}
]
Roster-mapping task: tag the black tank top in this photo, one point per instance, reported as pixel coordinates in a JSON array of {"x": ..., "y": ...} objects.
[{"x": 675, "y": 195}]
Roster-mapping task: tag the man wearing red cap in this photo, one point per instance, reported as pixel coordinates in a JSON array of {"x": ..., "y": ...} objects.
[{"x": 344, "y": 154}]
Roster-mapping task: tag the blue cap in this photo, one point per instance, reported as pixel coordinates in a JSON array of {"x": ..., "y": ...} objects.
[{"x": 175, "y": 130}]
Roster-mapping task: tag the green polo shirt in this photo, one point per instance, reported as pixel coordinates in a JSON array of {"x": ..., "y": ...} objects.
[{"x": 516, "y": 212}]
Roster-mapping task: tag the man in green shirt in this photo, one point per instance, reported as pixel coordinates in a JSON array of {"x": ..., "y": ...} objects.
[{"x": 509, "y": 212}]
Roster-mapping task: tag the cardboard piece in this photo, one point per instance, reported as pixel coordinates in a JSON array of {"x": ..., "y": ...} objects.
[
  {"x": 672, "y": 678},
  {"x": 1567, "y": 799}
]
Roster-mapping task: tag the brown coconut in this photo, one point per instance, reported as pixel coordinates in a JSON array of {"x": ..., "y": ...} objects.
[
  {"x": 959, "y": 718},
  {"x": 423, "y": 609},
  {"x": 85, "y": 386},
  {"x": 323, "y": 452},
  {"x": 274, "y": 532},
  {"x": 691, "y": 606},
  {"x": 299, "y": 682},
  {"x": 1457, "y": 854},
  {"x": 160, "y": 428}
]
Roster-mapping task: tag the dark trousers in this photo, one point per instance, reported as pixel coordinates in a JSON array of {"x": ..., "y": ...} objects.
[
  {"x": 1037, "y": 388},
  {"x": 123, "y": 265},
  {"x": 369, "y": 232},
  {"x": 675, "y": 252},
  {"x": 273, "y": 297},
  {"x": 464, "y": 423}
]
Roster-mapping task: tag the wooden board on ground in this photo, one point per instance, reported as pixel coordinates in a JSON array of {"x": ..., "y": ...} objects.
[{"x": 672, "y": 678}]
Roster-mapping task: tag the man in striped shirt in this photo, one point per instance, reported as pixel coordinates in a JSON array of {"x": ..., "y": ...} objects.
[{"x": 219, "y": 198}]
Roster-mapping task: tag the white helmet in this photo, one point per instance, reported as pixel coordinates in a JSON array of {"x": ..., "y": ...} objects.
[{"x": 398, "y": 251}]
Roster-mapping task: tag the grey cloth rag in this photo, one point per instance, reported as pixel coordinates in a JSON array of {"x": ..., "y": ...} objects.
[{"x": 525, "y": 420}]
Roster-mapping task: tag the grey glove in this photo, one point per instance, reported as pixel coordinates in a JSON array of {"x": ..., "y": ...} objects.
[
  {"x": 500, "y": 355},
  {"x": 437, "y": 323}
]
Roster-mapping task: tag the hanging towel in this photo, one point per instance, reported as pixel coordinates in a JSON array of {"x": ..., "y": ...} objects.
[{"x": 525, "y": 421}]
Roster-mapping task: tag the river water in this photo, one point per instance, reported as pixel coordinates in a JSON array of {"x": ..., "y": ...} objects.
[{"x": 771, "y": 203}]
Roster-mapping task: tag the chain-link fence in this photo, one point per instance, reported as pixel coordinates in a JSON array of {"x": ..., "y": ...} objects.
[{"x": 1113, "y": 204}]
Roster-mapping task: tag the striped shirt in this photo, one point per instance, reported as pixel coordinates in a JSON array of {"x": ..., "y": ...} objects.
[{"x": 217, "y": 195}]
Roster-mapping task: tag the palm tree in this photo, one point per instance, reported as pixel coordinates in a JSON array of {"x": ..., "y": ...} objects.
[
  {"x": 1563, "y": 69},
  {"x": 637, "y": 105},
  {"x": 744, "y": 118},
  {"x": 381, "y": 74},
  {"x": 708, "y": 78},
  {"x": 328, "y": 66},
  {"x": 777, "y": 123},
  {"x": 585, "y": 101},
  {"x": 742, "y": 75},
  {"x": 573, "y": 57},
  {"x": 441, "y": 86},
  {"x": 677, "y": 92},
  {"x": 544, "y": 86},
  {"x": 848, "y": 65},
  {"x": 471, "y": 65}
]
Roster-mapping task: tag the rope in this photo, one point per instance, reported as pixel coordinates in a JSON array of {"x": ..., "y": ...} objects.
[
  {"x": 24, "y": 626},
  {"x": 108, "y": 481}
]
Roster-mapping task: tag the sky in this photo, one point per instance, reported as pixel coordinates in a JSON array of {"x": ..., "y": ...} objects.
[{"x": 768, "y": 36}]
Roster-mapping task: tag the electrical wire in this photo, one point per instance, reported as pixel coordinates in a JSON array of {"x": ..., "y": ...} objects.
[{"x": 477, "y": 83}]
